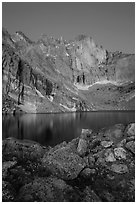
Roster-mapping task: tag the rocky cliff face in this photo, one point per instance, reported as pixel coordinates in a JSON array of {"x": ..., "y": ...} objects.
[{"x": 53, "y": 75}]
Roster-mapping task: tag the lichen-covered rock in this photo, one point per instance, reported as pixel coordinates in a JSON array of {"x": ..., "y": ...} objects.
[
  {"x": 120, "y": 153},
  {"x": 115, "y": 131},
  {"x": 131, "y": 146},
  {"x": 8, "y": 192},
  {"x": 49, "y": 189},
  {"x": 82, "y": 147},
  {"x": 22, "y": 150},
  {"x": 119, "y": 168},
  {"x": 121, "y": 143},
  {"x": 6, "y": 166},
  {"x": 131, "y": 129},
  {"x": 90, "y": 196},
  {"x": 106, "y": 196},
  {"x": 86, "y": 134},
  {"x": 109, "y": 156},
  {"x": 64, "y": 163},
  {"x": 106, "y": 144},
  {"x": 91, "y": 160},
  {"x": 87, "y": 173},
  {"x": 94, "y": 143}
]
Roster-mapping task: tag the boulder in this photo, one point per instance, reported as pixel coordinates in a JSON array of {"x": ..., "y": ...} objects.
[
  {"x": 64, "y": 163},
  {"x": 115, "y": 131},
  {"x": 106, "y": 144},
  {"x": 109, "y": 156},
  {"x": 120, "y": 153},
  {"x": 119, "y": 168},
  {"x": 25, "y": 150},
  {"x": 87, "y": 173},
  {"x": 106, "y": 196},
  {"x": 82, "y": 147},
  {"x": 90, "y": 195},
  {"x": 122, "y": 143},
  {"x": 6, "y": 166},
  {"x": 85, "y": 134},
  {"x": 50, "y": 189},
  {"x": 131, "y": 129},
  {"x": 131, "y": 146}
]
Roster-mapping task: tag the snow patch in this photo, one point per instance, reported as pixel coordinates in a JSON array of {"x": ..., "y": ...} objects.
[
  {"x": 67, "y": 54},
  {"x": 74, "y": 98},
  {"x": 86, "y": 87},
  {"x": 69, "y": 109},
  {"x": 39, "y": 93},
  {"x": 50, "y": 98},
  {"x": 75, "y": 92}
]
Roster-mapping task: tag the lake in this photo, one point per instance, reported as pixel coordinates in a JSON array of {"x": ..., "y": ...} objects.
[{"x": 52, "y": 129}]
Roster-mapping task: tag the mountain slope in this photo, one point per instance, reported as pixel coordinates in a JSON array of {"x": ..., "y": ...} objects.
[{"x": 53, "y": 75}]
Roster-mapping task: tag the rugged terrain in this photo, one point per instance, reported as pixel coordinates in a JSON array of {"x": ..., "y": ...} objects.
[
  {"x": 95, "y": 167},
  {"x": 54, "y": 75}
]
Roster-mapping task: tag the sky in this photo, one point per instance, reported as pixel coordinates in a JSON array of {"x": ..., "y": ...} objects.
[{"x": 110, "y": 24}]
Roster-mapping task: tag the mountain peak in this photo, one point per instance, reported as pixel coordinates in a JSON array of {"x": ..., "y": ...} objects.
[{"x": 20, "y": 36}]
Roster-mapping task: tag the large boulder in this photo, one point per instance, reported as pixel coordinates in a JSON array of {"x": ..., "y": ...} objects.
[
  {"x": 120, "y": 153},
  {"x": 115, "y": 132},
  {"x": 119, "y": 168},
  {"x": 131, "y": 146},
  {"x": 64, "y": 163},
  {"x": 82, "y": 147},
  {"x": 50, "y": 189},
  {"x": 22, "y": 150}
]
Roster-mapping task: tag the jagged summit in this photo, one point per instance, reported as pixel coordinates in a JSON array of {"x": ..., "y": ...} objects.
[
  {"x": 54, "y": 75},
  {"x": 20, "y": 36}
]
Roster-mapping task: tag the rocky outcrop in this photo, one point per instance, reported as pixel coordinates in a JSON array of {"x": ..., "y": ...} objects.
[
  {"x": 60, "y": 174},
  {"x": 64, "y": 163},
  {"x": 53, "y": 75}
]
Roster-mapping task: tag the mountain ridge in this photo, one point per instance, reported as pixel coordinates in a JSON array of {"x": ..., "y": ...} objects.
[{"x": 54, "y": 75}]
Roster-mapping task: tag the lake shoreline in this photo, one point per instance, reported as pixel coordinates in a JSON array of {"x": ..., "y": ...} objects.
[{"x": 94, "y": 167}]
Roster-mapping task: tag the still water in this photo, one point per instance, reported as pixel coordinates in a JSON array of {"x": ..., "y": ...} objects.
[{"x": 52, "y": 129}]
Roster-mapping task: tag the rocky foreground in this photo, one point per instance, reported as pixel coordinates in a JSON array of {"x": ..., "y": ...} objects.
[{"x": 96, "y": 167}]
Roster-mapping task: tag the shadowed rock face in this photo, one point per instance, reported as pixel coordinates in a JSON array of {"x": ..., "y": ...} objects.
[{"x": 53, "y": 75}]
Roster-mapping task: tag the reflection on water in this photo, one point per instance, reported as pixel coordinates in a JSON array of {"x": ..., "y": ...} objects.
[{"x": 52, "y": 129}]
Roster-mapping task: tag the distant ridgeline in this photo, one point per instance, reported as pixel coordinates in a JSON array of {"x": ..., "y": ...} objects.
[{"x": 53, "y": 75}]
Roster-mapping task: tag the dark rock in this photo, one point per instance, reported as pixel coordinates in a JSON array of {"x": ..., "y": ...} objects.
[
  {"x": 131, "y": 146},
  {"x": 19, "y": 176},
  {"x": 90, "y": 195},
  {"x": 106, "y": 196},
  {"x": 8, "y": 192},
  {"x": 22, "y": 150},
  {"x": 94, "y": 143},
  {"x": 49, "y": 189},
  {"x": 87, "y": 173},
  {"x": 64, "y": 163},
  {"x": 6, "y": 166},
  {"x": 91, "y": 160}
]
